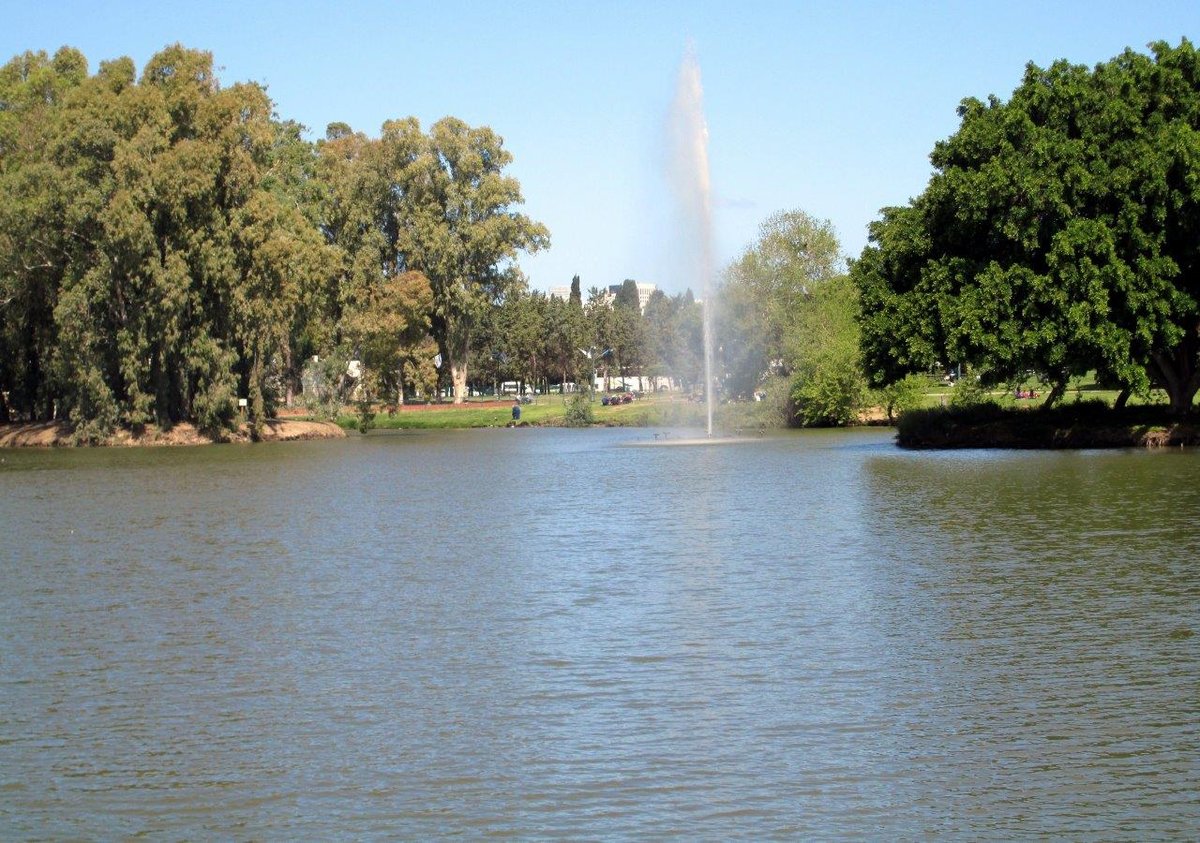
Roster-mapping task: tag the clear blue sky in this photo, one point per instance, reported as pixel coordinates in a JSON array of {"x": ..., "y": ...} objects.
[{"x": 830, "y": 107}]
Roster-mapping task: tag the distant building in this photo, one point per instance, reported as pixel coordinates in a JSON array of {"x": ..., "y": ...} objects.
[
  {"x": 644, "y": 293},
  {"x": 610, "y": 293}
]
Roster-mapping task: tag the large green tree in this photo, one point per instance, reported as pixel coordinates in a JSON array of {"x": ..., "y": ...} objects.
[
  {"x": 786, "y": 310},
  {"x": 156, "y": 266},
  {"x": 34, "y": 246},
  {"x": 454, "y": 221},
  {"x": 1060, "y": 233}
]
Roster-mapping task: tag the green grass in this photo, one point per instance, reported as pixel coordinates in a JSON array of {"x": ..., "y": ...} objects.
[
  {"x": 548, "y": 411},
  {"x": 1079, "y": 389}
]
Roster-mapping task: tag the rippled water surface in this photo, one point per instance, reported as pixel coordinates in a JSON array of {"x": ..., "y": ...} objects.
[{"x": 547, "y": 634}]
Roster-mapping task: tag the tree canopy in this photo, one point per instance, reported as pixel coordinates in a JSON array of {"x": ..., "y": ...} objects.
[
  {"x": 169, "y": 245},
  {"x": 1060, "y": 233},
  {"x": 786, "y": 313}
]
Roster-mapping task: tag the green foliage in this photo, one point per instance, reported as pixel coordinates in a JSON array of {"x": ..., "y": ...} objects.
[
  {"x": 831, "y": 394},
  {"x": 772, "y": 297},
  {"x": 786, "y": 314},
  {"x": 1059, "y": 233},
  {"x": 1088, "y": 423},
  {"x": 460, "y": 227},
  {"x": 143, "y": 242},
  {"x": 214, "y": 403},
  {"x": 326, "y": 385},
  {"x": 579, "y": 412},
  {"x": 167, "y": 245},
  {"x": 365, "y": 415},
  {"x": 969, "y": 391},
  {"x": 903, "y": 396}
]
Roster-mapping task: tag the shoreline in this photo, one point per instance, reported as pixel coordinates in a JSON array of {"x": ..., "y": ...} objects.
[
  {"x": 1069, "y": 427},
  {"x": 58, "y": 435}
]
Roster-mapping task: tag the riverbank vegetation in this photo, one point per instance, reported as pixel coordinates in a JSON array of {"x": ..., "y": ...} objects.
[
  {"x": 173, "y": 252},
  {"x": 1059, "y": 235},
  {"x": 170, "y": 249}
]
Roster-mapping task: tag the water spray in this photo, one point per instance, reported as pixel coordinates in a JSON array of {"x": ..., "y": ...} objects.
[{"x": 690, "y": 179}]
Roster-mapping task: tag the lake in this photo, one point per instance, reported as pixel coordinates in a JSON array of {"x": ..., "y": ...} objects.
[{"x": 540, "y": 634}]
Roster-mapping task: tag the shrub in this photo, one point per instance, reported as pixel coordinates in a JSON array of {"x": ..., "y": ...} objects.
[
  {"x": 579, "y": 410},
  {"x": 830, "y": 395},
  {"x": 903, "y": 396},
  {"x": 968, "y": 392}
]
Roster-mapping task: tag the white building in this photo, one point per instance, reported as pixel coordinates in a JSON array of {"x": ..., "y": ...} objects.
[{"x": 645, "y": 291}]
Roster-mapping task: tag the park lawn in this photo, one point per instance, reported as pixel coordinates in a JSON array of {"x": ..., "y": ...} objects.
[
  {"x": 547, "y": 411},
  {"x": 1080, "y": 389}
]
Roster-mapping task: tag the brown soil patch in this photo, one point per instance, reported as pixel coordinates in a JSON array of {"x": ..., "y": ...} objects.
[
  {"x": 58, "y": 434},
  {"x": 35, "y": 435}
]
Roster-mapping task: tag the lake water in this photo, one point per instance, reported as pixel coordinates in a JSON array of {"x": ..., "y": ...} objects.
[{"x": 547, "y": 634}]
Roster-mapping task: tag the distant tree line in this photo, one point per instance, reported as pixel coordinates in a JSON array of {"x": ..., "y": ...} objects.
[{"x": 168, "y": 245}]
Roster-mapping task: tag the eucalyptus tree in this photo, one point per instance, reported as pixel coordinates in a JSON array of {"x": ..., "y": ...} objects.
[
  {"x": 565, "y": 332},
  {"x": 34, "y": 245},
  {"x": 1060, "y": 232},
  {"x": 628, "y": 339},
  {"x": 675, "y": 328},
  {"x": 169, "y": 267},
  {"x": 454, "y": 221},
  {"x": 386, "y": 327},
  {"x": 523, "y": 320}
]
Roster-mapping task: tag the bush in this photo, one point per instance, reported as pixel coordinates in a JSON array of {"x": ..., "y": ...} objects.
[
  {"x": 968, "y": 392},
  {"x": 830, "y": 395},
  {"x": 903, "y": 396},
  {"x": 579, "y": 410},
  {"x": 325, "y": 385}
]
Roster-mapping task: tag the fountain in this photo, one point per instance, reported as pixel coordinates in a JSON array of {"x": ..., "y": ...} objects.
[{"x": 690, "y": 179}]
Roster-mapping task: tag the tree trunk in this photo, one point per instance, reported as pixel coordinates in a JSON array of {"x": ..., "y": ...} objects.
[
  {"x": 1178, "y": 372},
  {"x": 458, "y": 377},
  {"x": 257, "y": 405},
  {"x": 1122, "y": 398},
  {"x": 1056, "y": 392},
  {"x": 457, "y": 350}
]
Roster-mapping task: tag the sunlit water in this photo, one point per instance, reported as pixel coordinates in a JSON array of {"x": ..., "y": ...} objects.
[{"x": 543, "y": 634}]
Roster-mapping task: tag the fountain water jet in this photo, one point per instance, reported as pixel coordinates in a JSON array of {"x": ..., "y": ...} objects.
[{"x": 690, "y": 179}]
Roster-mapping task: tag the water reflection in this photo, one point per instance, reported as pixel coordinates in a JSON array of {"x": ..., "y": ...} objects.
[{"x": 541, "y": 633}]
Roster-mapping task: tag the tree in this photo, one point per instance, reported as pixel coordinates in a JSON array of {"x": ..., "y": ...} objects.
[
  {"x": 627, "y": 295},
  {"x": 787, "y": 310},
  {"x": 387, "y": 326},
  {"x": 1059, "y": 233},
  {"x": 35, "y": 245},
  {"x": 523, "y": 335},
  {"x": 155, "y": 260},
  {"x": 453, "y": 221},
  {"x": 564, "y": 331}
]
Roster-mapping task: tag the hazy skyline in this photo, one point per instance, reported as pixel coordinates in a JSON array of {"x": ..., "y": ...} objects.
[{"x": 832, "y": 108}]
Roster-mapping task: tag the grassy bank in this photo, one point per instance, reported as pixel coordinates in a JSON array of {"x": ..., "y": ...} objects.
[{"x": 551, "y": 411}]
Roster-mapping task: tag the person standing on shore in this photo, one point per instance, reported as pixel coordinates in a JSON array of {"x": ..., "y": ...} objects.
[{"x": 516, "y": 411}]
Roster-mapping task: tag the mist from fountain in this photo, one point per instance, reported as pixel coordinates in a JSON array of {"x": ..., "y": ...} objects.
[{"x": 689, "y": 176}]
